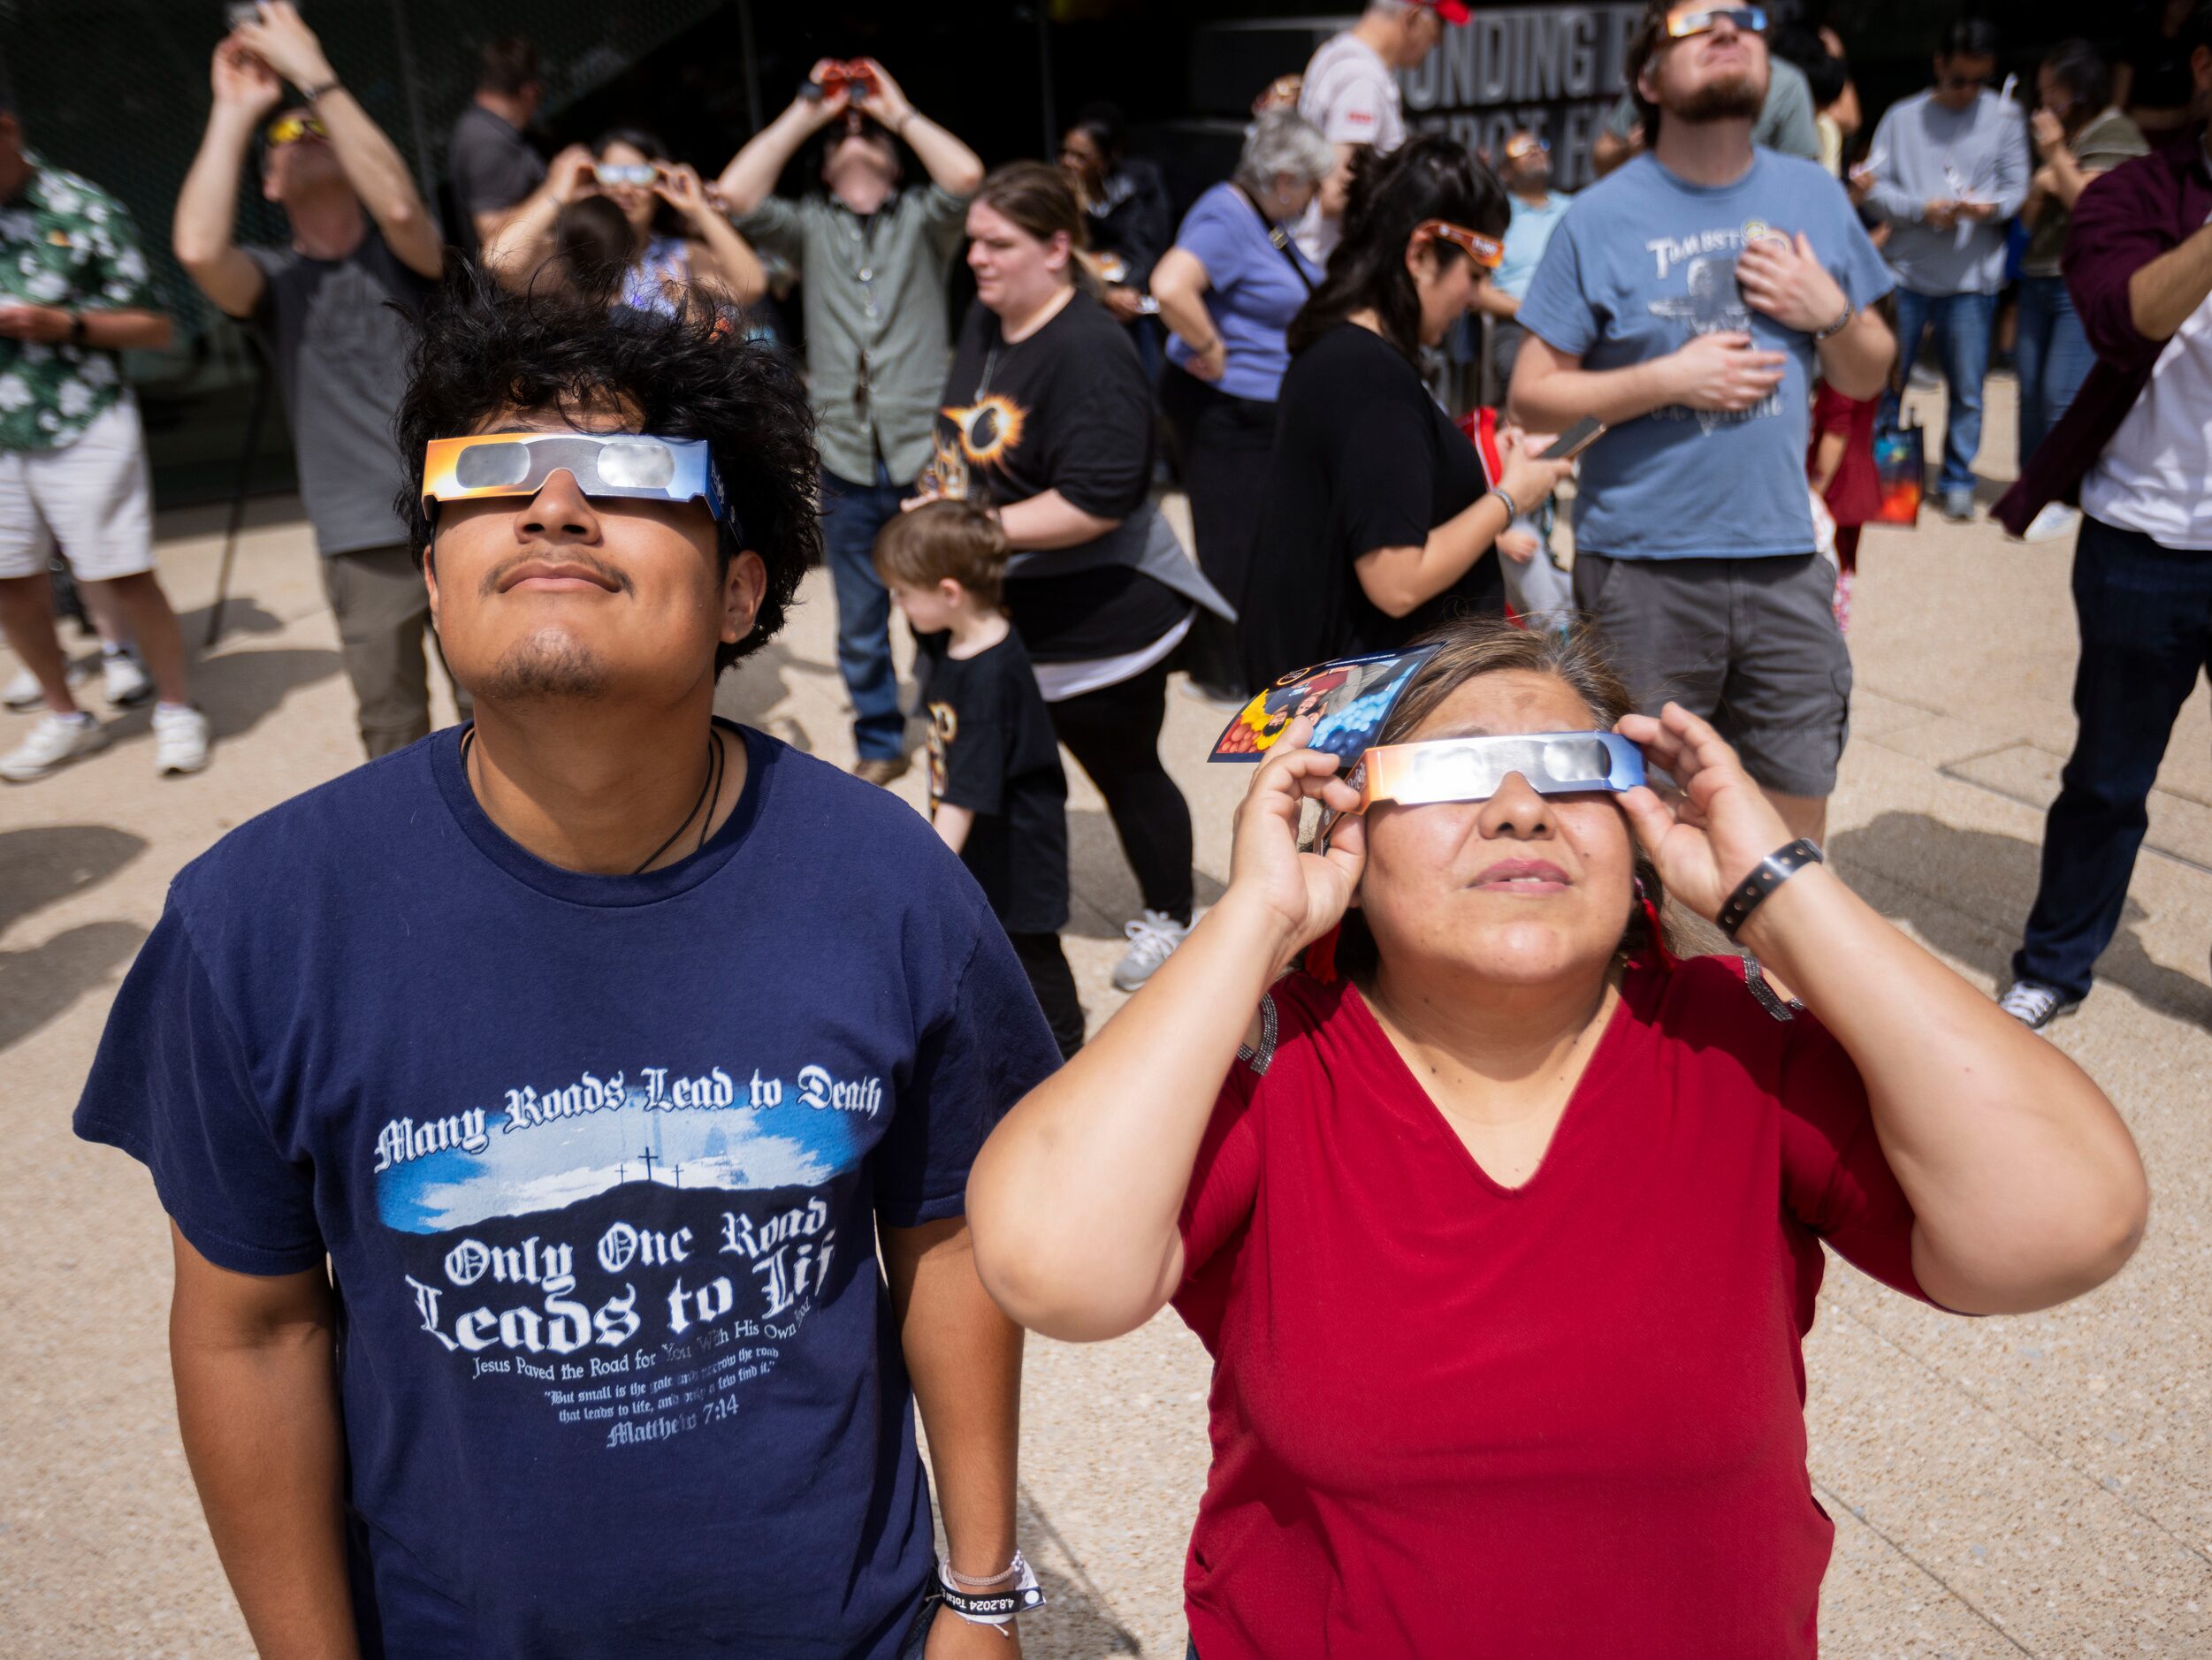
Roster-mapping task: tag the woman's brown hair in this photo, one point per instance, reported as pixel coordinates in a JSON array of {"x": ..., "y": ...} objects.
[
  {"x": 1476, "y": 646},
  {"x": 1037, "y": 199}
]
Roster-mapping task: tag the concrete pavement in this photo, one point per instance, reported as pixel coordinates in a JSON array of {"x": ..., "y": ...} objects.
[{"x": 2039, "y": 1486}]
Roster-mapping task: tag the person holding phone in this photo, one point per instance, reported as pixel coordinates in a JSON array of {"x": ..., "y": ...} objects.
[
  {"x": 874, "y": 245},
  {"x": 678, "y": 240},
  {"x": 1379, "y": 519},
  {"x": 1502, "y": 1225},
  {"x": 1953, "y": 170}
]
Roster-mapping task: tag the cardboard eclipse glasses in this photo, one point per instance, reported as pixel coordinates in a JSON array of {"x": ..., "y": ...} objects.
[
  {"x": 626, "y": 465},
  {"x": 1486, "y": 252},
  {"x": 1684, "y": 21},
  {"x": 1475, "y": 769}
]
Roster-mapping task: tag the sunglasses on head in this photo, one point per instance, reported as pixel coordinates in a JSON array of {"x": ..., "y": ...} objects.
[
  {"x": 628, "y": 466},
  {"x": 1475, "y": 769},
  {"x": 638, "y": 173},
  {"x": 1485, "y": 251},
  {"x": 1686, "y": 22},
  {"x": 290, "y": 129},
  {"x": 1516, "y": 148}
]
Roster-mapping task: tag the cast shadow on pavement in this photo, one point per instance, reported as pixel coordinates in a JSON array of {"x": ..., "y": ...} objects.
[
  {"x": 754, "y": 692},
  {"x": 1951, "y": 869},
  {"x": 1076, "y": 1623},
  {"x": 41, "y": 867}
]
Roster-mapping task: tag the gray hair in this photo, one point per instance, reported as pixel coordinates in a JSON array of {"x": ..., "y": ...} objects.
[{"x": 1283, "y": 142}]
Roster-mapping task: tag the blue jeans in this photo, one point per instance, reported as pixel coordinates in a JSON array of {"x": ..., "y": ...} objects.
[
  {"x": 1963, "y": 324},
  {"x": 851, "y": 517},
  {"x": 2145, "y": 616},
  {"x": 2053, "y": 357}
]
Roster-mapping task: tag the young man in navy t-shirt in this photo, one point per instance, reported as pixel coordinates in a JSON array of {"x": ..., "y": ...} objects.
[
  {"x": 1685, "y": 301},
  {"x": 531, "y": 1105}
]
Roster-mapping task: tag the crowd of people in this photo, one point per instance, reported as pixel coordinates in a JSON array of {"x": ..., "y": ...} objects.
[{"x": 1442, "y": 1066}]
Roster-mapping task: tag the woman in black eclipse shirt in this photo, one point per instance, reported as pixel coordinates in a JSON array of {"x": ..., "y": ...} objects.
[
  {"x": 1049, "y": 411},
  {"x": 1377, "y": 514}
]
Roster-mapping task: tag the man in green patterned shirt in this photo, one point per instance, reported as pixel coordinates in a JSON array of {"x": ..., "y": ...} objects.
[{"x": 74, "y": 293}]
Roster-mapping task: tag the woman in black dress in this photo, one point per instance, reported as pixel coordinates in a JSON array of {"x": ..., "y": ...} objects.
[
  {"x": 1049, "y": 415},
  {"x": 1379, "y": 513}
]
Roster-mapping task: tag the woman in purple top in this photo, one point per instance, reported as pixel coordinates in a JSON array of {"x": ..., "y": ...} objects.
[{"x": 1228, "y": 289}]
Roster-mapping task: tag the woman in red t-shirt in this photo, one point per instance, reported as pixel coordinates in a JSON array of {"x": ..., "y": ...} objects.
[{"x": 1503, "y": 1233}]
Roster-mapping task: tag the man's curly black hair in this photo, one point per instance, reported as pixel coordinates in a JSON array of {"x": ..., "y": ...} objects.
[{"x": 482, "y": 350}]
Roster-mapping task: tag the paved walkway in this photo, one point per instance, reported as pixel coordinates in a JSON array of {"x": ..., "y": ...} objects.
[{"x": 2038, "y": 1486}]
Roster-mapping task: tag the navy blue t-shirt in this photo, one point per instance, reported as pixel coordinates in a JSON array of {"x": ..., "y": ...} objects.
[{"x": 596, "y": 1162}]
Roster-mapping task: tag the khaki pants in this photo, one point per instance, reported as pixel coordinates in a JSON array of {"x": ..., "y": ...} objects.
[{"x": 383, "y": 613}]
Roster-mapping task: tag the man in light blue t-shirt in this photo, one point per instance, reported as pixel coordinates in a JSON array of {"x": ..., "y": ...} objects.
[
  {"x": 1524, "y": 167},
  {"x": 1683, "y": 300}
]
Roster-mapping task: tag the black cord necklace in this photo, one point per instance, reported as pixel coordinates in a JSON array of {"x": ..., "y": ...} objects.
[{"x": 715, "y": 766}]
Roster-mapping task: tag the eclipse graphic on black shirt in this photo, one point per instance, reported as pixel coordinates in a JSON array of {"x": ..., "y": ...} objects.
[{"x": 988, "y": 428}]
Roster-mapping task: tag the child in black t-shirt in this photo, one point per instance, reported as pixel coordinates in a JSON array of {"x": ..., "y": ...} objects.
[{"x": 997, "y": 794}]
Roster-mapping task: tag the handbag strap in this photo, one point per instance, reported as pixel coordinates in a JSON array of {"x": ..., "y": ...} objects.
[{"x": 1277, "y": 235}]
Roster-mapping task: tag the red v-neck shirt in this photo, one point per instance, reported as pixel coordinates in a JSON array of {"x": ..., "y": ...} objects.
[{"x": 1451, "y": 1418}]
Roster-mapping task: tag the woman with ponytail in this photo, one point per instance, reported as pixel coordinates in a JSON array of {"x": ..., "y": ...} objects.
[{"x": 1379, "y": 513}]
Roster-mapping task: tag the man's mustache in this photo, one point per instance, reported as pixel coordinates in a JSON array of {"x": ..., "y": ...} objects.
[{"x": 496, "y": 577}]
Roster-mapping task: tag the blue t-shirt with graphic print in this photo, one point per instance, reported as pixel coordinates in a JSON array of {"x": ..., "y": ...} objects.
[
  {"x": 597, "y": 1161},
  {"x": 1644, "y": 262}
]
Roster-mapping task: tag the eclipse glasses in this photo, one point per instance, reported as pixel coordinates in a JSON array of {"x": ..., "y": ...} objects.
[
  {"x": 290, "y": 129},
  {"x": 1475, "y": 769},
  {"x": 623, "y": 466},
  {"x": 1486, "y": 251},
  {"x": 638, "y": 173},
  {"x": 1684, "y": 21}
]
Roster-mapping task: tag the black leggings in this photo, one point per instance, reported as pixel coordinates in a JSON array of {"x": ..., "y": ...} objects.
[
  {"x": 1114, "y": 734},
  {"x": 1054, "y": 982}
]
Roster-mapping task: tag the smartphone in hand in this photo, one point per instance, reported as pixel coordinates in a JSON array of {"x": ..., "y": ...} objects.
[{"x": 1576, "y": 440}]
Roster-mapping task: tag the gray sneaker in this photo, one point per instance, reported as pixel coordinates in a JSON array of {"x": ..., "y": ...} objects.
[
  {"x": 1153, "y": 938},
  {"x": 1958, "y": 505},
  {"x": 2036, "y": 1005}
]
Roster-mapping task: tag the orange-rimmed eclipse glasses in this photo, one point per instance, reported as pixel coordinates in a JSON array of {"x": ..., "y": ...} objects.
[{"x": 1486, "y": 251}]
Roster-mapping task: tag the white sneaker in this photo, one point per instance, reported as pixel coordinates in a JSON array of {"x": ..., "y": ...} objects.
[
  {"x": 180, "y": 738},
  {"x": 23, "y": 691},
  {"x": 2036, "y": 1005},
  {"x": 1153, "y": 938},
  {"x": 2057, "y": 521},
  {"x": 124, "y": 680},
  {"x": 55, "y": 742}
]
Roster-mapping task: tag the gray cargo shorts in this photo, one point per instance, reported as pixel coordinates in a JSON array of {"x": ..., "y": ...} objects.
[{"x": 1750, "y": 644}]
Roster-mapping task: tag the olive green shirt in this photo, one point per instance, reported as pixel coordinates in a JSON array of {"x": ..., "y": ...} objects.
[
  {"x": 2098, "y": 148},
  {"x": 64, "y": 242},
  {"x": 877, "y": 340}
]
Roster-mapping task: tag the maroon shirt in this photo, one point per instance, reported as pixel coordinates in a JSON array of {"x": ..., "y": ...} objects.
[
  {"x": 2140, "y": 210},
  {"x": 1567, "y": 1417}
]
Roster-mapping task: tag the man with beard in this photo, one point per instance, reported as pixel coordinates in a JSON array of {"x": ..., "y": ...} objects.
[
  {"x": 873, "y": 257},
  {"x": 577, "y": 1066},
  {"x": 1683, "y": 300}
]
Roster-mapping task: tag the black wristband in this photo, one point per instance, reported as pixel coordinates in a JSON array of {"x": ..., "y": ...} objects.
[
  {"x": 1770, "y": 873},
  {"x": 309, "y": 94},
  {"x": 79, "y": 334},
  {"x": 1021, "y": 1597}
]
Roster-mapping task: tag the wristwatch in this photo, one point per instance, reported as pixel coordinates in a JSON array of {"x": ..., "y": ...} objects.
[
  {"x": 1837, "y": 327},
  {"x": 77, "y": 331}
]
